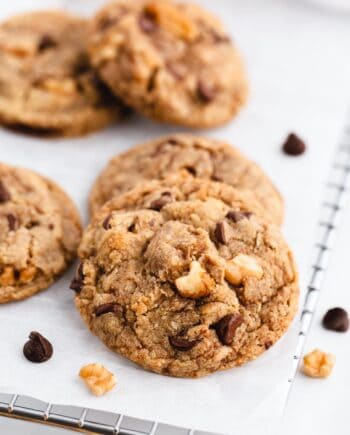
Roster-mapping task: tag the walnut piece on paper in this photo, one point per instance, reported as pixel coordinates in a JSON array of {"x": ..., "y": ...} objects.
[
  {"x": 318, "y": 364},
  {"x": 98, "y": 379}
]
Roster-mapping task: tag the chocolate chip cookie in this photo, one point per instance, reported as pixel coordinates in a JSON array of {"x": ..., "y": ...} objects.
[
  {"x": 40, "y": 231},
  {"x": 170, "y": 61},
  {"x": 179, "y": 277},
  {"x": 203, "y": 158},
  {"x": 46, "y": 81}
]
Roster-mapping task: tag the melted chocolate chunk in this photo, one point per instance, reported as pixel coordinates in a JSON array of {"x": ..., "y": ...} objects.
[
  {"x": 227, "y": 326},
  {"x": 182, "y": 344}
]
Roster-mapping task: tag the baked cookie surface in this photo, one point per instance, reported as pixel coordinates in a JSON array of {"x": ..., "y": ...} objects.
[
  {"x": 40, "y": 231},
  {"x": 46, "y": 81},
  {"x": 179, "y": 277},
  {"x": 203, "y": 158},
  {"x": 171, "y": 61}
]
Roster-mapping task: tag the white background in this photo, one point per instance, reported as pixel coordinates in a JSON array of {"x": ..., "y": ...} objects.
[{"x": 298, "y": 62}]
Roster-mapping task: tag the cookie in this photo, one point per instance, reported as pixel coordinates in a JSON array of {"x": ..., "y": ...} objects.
[
  {"x": 170, "y": 61},
  {"x": 204, "y": 158},
  {"x": 180, "y": 278},
  {"x": 46, "y": 81},
  {"x": 40, "y": 231}
]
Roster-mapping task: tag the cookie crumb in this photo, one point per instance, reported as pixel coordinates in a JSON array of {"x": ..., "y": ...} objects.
[
  {"x": 318, "y": 364},
  {"x": 97, "y": 378},
  {"x": 293, "y": 145}
]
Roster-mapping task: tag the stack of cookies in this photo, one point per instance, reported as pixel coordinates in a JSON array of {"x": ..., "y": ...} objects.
[{"x": 183, "y": 268}]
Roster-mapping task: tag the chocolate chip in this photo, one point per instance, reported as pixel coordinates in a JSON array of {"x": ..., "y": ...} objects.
[
  {"x": 4, "y": 193},
  {"x": 336, "y": 319},
  {"x": 106, "y": 96},
  {"x": 51, "y": 227},
  {"x": 268, "y": 344},
  {"x": 294, "y": 146},
  {"x": 226, "y": 327},
  {"x": 77, "y": 282},
  {"x": 46, "y": 42},
  {"x": 38, "y": 349},
  {"x": 107, "y": 223},
  {"x": 220, "y": 232},
  {"x": 191, "y": 170},
  {"x": 182, "y": 344},
  {"x": 12, "y": 222},
  {"x": 159, "y": 203},
  {"x": 106, "y": 308},
  {"x": 147, "y": 22},
  {"x": 152, "y": 80},
  {"x": 205, "y": 92},
  {"x": 82, "y": 66},
  {"x": 237, "y": 216},
  {"x": 220, "y": 38},
  {"x": 132, "y": 227}
]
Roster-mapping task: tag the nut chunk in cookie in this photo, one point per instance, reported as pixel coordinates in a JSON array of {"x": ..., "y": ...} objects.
[
  {"x": 157, "y": 285},
  {"x": 40, "y": 231},
  {"x": 46, "y": 80},
  {"x": 170, "y": 61}
]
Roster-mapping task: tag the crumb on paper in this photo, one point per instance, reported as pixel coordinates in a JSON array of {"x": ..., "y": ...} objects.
[{"x": 98, "y": 379}]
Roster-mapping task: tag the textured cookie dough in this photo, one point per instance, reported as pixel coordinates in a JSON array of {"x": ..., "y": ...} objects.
[
  {"x": 184, "y": 281},
  {"x": 203, "y": 158},
  {"x": 40, "y": 231},
  {"x": 170, "y": 61},
  {"x": 46, "y": 81}
]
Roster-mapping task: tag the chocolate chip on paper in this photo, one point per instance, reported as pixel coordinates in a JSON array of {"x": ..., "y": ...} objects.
[
  {"x": 37, "y": 349},
  {"x": 293, "y": 145},
  {"x": 336, "y": 319}
]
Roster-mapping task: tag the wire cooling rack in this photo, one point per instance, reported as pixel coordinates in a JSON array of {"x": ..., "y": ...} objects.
[
  {"x": 334, "y": 201},
  {"x": 91, "y": 420},
  {"x": 101, "y": 422}
]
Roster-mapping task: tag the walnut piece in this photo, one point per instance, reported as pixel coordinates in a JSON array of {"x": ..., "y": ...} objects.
[
  {"x": 318, "y": 364},
  {"x": 7, "y": 277},
  {"x": 108, "y": 52},
  {"x": 197, "y": 284},
  {"x": 171, "y": 19},
  {"x": 242, "y": 266},
  {"x": 66, "y": 87},
  {"x": 98, "y": 378},
  {"x": 27, "y": 274}
]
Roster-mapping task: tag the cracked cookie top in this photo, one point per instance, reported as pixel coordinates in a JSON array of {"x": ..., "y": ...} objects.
[
  {"x": 39, "y": 232},
  {"x": 170, "y": 61},
  {"x": 46, "y": 81},
  {"x": 182, "y": 277},
  {"x": 201, "y": 157}
]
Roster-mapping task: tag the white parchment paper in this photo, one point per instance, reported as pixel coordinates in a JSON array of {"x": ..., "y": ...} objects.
[{"x": 297, "y": 59}]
